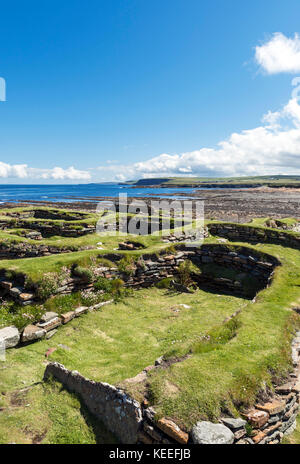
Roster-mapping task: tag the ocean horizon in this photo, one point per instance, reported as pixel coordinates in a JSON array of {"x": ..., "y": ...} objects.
[{"x": 75, "y": 192}]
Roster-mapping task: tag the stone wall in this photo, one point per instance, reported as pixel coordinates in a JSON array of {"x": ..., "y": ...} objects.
[
  {"x": 240, "y": 232},
  {"x": 132, "y": 422},
  {"x": 151, "y": 268},
  {"x": 120, "y": 414},
  {"x": 19, "y": 250}
]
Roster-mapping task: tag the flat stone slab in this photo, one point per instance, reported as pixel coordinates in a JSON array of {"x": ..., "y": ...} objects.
[
  {"x": 26, "y": 296},
  {"x": 233, "y": 424},
  {"x": 10, "y": 336},
  {"x": 32, "y": 332},
  {"x": 81, "y": 310},
  {"x": 48, "y": 316},
  {"x": 172, "y": 430},
  {"x": 207, "y": 433},
  {"x": 272, "y": 407},
  {"x": 67, "y": 317},
  {"x": 52, "y": 324}
]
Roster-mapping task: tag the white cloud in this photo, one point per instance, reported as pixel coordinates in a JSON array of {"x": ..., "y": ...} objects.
[
  {"x": 70, "y": 173},
  {"x": 280, "y": 54},
  {"x": 15, "y": 170},
  {"x": 21, "y": 171},
  {"x": 271, "y": 148}
]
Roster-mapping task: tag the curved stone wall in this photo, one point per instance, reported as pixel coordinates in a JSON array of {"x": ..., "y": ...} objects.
[{"x": 244, "y": 233}]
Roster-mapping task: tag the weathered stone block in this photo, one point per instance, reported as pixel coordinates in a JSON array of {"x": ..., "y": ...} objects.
[
  {"x": 233, "y": 424},
  {"x": 48, "y": 316},
  {"x": 81, "y": 310},
  {"x": 207, "y": 433},
  {"x": 172, "y": 430},
  {"x": 10, "y": 336},
  {"x": 32, "y": 332},
  {"x": 67, "y": 317},
  {"x": 257, "y": 418},
  {"x": 52, "y": 324},
  {"x": 272, "y": 407}
]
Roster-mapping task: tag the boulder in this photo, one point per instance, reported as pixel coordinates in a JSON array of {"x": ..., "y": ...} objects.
[
  {"x": 207, "y": 433},
  {"x": 10, "y": 336},
  {"x": 32, "y": 332}
]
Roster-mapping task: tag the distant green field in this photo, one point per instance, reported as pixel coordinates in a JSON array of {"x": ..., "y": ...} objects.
[{"x": 274, "y": 181}]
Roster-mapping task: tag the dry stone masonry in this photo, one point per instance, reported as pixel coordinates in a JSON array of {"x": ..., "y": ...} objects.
[
  {"x": 240, "y": 232},
  {"x": 133, "y": 422}
]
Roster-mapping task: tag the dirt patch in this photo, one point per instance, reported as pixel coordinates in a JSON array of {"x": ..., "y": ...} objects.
[
  {"x": 170, "y": 388},
  {"x": 18, "y": 398}
]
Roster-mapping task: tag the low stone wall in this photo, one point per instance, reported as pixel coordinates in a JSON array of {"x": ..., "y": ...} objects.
[
  {"x": 151, "y": 268},
  {"x": 48, "y": 229},
  {"x": 240, "y": 232},
  {"x": 133, "y": 422},
  {"x": 120, "y": 414},
  {"x": 9, "y": 250}
]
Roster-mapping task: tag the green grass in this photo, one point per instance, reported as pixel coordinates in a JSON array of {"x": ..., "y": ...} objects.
[
  {"x": 224, "y": 372},
  {"x": 294, "y": 438},
  {"x": 124, "y": 337},
  {"x": 46, "y": 413}
]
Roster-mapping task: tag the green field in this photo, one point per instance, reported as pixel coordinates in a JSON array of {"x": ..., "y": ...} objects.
[
  {"x": 251, "y": 181},
  {"x": 221, "y": 365}
]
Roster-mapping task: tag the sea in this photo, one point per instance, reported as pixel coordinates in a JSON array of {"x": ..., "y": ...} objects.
[{"x": 80, "y": 192}]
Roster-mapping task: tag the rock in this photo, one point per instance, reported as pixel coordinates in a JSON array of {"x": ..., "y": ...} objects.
[
  {"x": 144, "y": 438},
  {"x": 159, "y": 361},
  {"x": 258, "y": 437},
  {"x": 286, "y": 388},
  {"x": 207, "y": 433},
  {"x": 67, "y": 317},
  {"x": 239, "y": 433},
  {"x": 245, "y": 441},
  {"x": 15, "y": 292},
  {"x": 272, "y": 407},
  {"x": 6, "y": 285},
  {"x": 296, "y": 387},
  {"x": 26, "y": 296},
  {"x": 185, "y": 306},
  {"x": 48, "y": 316},
  {"x": 233, "y": 424},
  {"x": 10, "y": 336},
  {"x": 291, "y": 429},
  {"x": 52, "y": 324},
  {"x": 32, "y": 332},
  {"x": 51, "y": 333},
  {"x": 81, "y": 310},
  {"x": 172, "y": 430},
  {"x": 257, "y": 418}
]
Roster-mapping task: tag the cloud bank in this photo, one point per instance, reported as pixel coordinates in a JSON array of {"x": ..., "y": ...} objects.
[
  {"x": 23, "y": 171},
  {"x": 280, "y": 54},
  {"x": 271, "y": 148}
]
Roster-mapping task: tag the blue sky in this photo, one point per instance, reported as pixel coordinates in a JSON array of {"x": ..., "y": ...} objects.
[{"x": 104, "y": 90}]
